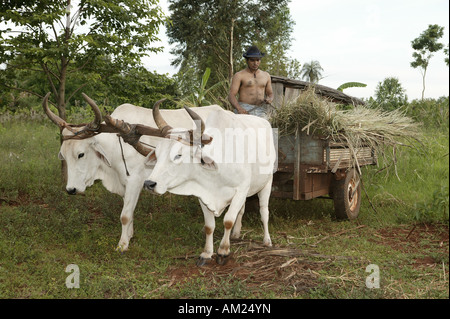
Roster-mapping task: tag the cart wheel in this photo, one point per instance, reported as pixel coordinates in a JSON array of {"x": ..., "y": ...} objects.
[{"x": 347, "y": 196}]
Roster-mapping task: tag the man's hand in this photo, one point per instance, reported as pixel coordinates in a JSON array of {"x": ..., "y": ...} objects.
[
  {"x": 268, "y": 101},
  {"x": 242, "y": 110}
]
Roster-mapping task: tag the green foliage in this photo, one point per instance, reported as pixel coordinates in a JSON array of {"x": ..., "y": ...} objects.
[
  {"x": 123, "y": 29},
  {"x": 59, "y": 42},
  {"x": 275, "y": 43},
  {"x": 425, "y": 45},
  {"x": 201, "y": 29},
  {"x": 446, "y": 53},
  {"x": 201, "y": 95},
  {"x": 390, "y": 94},
  {"x": 137, "y": 86},
  {"x": 437, "y": 208},
  {"x": 433, "y": 113},
  {"x": 312, "y": 71},
  {"x": 347, "y": 85}
]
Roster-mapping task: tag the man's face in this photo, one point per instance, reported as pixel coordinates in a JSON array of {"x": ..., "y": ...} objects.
[{"x": 253, "y": 63}]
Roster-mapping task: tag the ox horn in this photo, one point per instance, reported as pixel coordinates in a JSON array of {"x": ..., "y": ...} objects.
[
  {"x": 160, "y": 122},
  {"x": 52, "y": 116},
  {"x": 196, "y": 117},
  {"x": 205, "y": 139},
  {"x": 98, "y": 115},
  {"x": 61, "y": 123}
]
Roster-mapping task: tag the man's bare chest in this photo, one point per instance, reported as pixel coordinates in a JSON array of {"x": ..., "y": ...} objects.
[{"x": 254, "y": 82}]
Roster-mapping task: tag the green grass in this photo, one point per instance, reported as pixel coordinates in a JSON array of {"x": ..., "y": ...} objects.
[
  {"x": 421, "y": 175},
  {"x": 43, "y": 230}
]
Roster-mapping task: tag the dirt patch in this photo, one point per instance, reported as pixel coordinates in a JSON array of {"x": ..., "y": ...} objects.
[
  {"x": 431, "y": 240},
  {"x": 21, "y": 199},
  {"x": 258, "y": 267},
  {"x": 287, "y": 270},
  {"x": 411, "y": 237}
]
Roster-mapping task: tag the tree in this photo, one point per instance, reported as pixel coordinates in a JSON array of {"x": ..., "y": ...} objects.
[
  {"x": 214, "y": 34},
  {"x": 446, "y": 53},
  {"x": 276, "y": 43},
  {"x": 390, "y": 94},
  {"x": 312, "y": 71},
  {"x": 136, "y": 86},
  {"x": 60, "y": 40},
  {"x": 425, "y": 45}
]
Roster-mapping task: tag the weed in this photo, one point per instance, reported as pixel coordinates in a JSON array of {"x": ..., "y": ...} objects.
[{"x": 435, "y": 209}]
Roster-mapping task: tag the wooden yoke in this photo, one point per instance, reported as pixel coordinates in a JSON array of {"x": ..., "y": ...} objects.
[{"x": 131, "y": 133}]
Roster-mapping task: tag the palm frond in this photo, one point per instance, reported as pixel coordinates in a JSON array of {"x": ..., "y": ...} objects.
[{"x": 351, "y": 85}]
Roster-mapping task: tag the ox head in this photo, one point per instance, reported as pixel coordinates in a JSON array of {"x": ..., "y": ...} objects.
[
  {"x": 178, "y": 157},
  {"x": 176, "y": 147},
  {"x": 80, "y": 149}
]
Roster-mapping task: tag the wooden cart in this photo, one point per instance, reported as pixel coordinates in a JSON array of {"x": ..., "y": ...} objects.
[{"x": 311, "y": 166}]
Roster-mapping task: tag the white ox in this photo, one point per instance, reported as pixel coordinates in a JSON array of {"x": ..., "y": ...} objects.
[
  {"x": 91, "y": 156},
  {"x": 234, "y": 159}
]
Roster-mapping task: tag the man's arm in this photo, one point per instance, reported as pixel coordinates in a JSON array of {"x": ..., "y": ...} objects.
[
  {"x": 234, "y": 89},
  {"x": 269, "y": 91}
]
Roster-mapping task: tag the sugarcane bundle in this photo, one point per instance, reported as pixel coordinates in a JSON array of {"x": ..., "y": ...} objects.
[{"x": 360, "y": 126}]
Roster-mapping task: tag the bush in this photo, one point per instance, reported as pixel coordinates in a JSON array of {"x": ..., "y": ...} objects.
[
  {"x": 433, "y": 113},
  {"x": 436, "y": 209}
]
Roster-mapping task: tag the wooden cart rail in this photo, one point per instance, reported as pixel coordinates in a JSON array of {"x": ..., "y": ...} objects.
[
  {"x": 311, "y": 166},
  {"x": 337, "y": 156}
]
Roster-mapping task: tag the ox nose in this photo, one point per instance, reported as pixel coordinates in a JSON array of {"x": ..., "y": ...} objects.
[
  {"x": 150, "y": 185},
  {"x": 71, "y": 191}
]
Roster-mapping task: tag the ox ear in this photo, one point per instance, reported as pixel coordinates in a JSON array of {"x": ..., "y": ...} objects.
[
  {"x": 205, "y": 160},
  {"x": 151, "y": 159},
  {"x": 101, "y": 154},
  {"x": 60, "y": 156},
  {"x": 208, "y": 163}
]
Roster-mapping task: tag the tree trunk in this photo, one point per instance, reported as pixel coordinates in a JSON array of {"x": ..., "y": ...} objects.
[
  {"x": 61, "y": 105},
  {"x": 230, "y": 66},
  {"x": 423, "y": 82}
]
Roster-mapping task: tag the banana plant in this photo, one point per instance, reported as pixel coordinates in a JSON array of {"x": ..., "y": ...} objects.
[
  {"x": 351, "y": 85},
  {"x": 198, "y": 97}
]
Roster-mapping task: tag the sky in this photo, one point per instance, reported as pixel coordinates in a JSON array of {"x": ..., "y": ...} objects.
[{"x": 356, "y": 41}]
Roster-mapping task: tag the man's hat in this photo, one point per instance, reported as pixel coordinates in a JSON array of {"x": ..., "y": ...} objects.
[{"x": 253, "y": 52}]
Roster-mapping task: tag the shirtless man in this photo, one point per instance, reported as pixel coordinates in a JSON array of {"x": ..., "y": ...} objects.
[{"x": 253, "y": 85}]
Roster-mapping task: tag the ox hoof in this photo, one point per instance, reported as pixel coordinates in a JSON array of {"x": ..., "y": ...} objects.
[
  {"x": 202, "y": 261},
  {"x": 267, "y": 243},
  {"x": 222, "y": 259},
  {"x": 121, "y": 249}
]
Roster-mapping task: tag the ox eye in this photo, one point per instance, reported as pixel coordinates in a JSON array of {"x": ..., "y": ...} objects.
[
  {"x": 80, "y": 155},
  {"x": 177, "y": 157}
]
